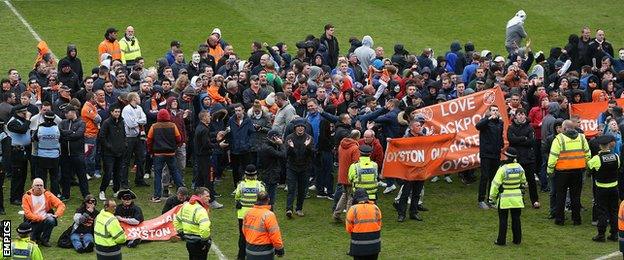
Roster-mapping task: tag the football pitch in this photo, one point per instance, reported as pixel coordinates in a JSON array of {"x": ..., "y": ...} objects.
[{"x": 453, "y": 228}]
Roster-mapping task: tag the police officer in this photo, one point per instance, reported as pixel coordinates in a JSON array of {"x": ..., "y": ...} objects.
[
  {"x": 246, "y": 195},
  {"x": 363, "y": 223},
  {"x": 109, "y": 236},
  {"x": 18, "y": 128},
  {"x": 193, "y": 224},
  {"x": 363, "y": 174},
  {"x": 568, "y": 158},
  {"x": 262, "y": 233},
  {"x": 47, "y": 137},
  {"x": 506, "y": 193},
  {"x": 604, "y": 168},
  {"x": 23, "y": 247}
]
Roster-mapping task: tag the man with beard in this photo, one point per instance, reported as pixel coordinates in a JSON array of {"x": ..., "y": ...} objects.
[
  {"x": 522, "y": 137},
  {"x": 110, "y": 45},
  {"x": 130, "y": 48}
]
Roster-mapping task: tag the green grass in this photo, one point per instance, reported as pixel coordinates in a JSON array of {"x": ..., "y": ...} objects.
[{"x": 454, "y": 228}]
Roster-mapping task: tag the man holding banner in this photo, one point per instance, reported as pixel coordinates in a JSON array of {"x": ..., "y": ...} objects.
[
  {"x": 410, "y": 188},
  {"x": 491, "y": 143}
]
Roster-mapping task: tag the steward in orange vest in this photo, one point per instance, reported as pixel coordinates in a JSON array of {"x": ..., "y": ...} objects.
[
  {"x": 110, "y": 45},
  {"x": 363, "y": 222},
  {"x": 261, "y": 231},
  {"x": 568, "y": 159}
]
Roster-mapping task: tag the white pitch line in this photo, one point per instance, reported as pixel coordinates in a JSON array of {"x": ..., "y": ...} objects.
[
  {"x": 217, "y": 251},
  {"x": 26, "y": 24},
  {"x": 609, "y": 256}
]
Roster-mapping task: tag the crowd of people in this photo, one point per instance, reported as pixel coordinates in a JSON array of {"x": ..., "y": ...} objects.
[{"x": 282, "y": 120}]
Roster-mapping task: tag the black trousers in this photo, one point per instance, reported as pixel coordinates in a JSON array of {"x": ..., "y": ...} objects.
[
  {"x": 565, "y": 180},
  {"x": 73, "y": 166},
  {"x": 366, "y": 257},
  {"x": 607, "y": 201},
  {"x": 409, "y": 189},
  {"x": 135, "y": 147},
  {"x": 113, "y": 167},
  {"x": 239, "y": 162},
  {"x": 242, "y": 243},
  {"x": 19, "y": 167},
  {"x": 516, "y": 228},
  {"x": 529, "y": 171},
  {"x": 489, "y": 167},
  {"x": 198, "y": 250}
]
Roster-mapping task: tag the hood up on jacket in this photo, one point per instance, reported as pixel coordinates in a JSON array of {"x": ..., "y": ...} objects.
[
  {"x": 368, "y": 41},
  {"x": 163, "y": 116},
  {"x": 517, "y": 19},
  {"x": 455, "y": 46},
  {"x": 347, "y": 143},
  {"x": 399, "y": 49},
  {"x": 70, "y": 48},
  {"x": 315, "y": 72},
  {"x": 553, "y": 108}
]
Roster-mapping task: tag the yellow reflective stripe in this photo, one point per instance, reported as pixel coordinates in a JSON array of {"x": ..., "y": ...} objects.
[
  {"x": 515, "y": 194},
  {"x": 118, "y": 234},
  {"x": 607, "y": 185},
  {"x": 203, "y": 220}
]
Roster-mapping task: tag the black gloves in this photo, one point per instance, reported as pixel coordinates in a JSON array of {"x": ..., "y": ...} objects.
[
  {"x": 239, "y": 205},
  {"x": 279, "y": 252}
]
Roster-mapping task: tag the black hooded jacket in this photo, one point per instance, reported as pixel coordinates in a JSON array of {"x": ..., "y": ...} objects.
[
  {"x": 74, "y": 62},
  {"x": 522, "y": 137},
  {"x": 400, "y": 56}
]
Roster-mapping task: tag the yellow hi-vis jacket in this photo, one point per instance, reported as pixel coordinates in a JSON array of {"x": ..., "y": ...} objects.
[
  {"x": 193, "y": 221},
  {"x": 568, "y": 154},
  {"x": 509, "y": 177},
  {"x": 107, "y": 230}
]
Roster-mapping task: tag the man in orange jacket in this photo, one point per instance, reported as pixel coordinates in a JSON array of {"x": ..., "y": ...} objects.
[
  {"x": 38, "y": 205},
  {"x": 621, "y": 226},
  {"x": 110, "y": 45},
  {"x": 263, "y": 235},
  {"x": 364, "y": 224}
]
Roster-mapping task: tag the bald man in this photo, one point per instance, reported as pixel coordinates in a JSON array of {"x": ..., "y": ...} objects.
[
  {"x": 41, "y": 209},
  {"x": 130, "y": 49}
]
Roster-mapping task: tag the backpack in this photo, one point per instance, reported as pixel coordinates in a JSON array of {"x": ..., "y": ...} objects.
[{"x": 64, "y": 240}]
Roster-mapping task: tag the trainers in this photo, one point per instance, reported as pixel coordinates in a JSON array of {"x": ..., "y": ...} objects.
[
  {"x": 285, "y": 187},
  {"x": 215, "y": 205},
  {"x": 321, "y": 195},
  {"x": 330, "y": 197},
  {"x": 389, "y": 189},
  {"x": 146, "y": 176},
  {"x": 155, "y": 199},
  {"x": 382, "y": 184},
  {"x": 483, "y": 205},
  {"x": 536, "y": 205},
  {"x": 102, "y": 196},
  {"x": 448, "y": 179},
  {"x": 300, "y": 213},
  {"x": 110, "y": 183},
  {"x": 89, "y": 177},
  {"x": 289, "y": 214},
  {"x": 313, "y": 187},
  {"x": 435, "y": 179},
  {"x": 97, "y": 175},
  {"x": 115, "y": 194}
]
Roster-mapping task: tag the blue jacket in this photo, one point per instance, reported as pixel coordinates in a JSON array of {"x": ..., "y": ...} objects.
[
  {"x": 240, "y": 135},
  {"x": 469, "y": 71},
  {"x": 390, "y": 123}
]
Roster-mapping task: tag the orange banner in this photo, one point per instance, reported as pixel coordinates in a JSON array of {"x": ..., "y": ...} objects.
[
  {"x": 589, "y": 113},
  {"x": 156, "y": 229},
  {"x": 459, "y": 117},
  {"x": 416, "y": 158}
]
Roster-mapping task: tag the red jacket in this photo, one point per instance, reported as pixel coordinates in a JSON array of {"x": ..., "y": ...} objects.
[
  {"x": 348, "y": 153},
  {"x": 535, "y": 116}
]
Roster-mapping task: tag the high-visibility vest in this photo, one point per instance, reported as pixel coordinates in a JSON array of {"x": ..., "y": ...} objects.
[
  {"x": 571, "y": 154},
  {"x": 363, "y": 174},
  {"x": 107, "y": 230},
  {"x": 193, "y": 221},
  {"x": 247, "y": 194},
  {"x": 129, "y": 51},
  {"x": 605, "y": 166},
  {"x": 509, "y": 177},
  {"x": 23, "y": 248},
  {"x": 261, "y": 232},
  {"x": 363, "y": 222},
  {"x": 111, "y": 48}
]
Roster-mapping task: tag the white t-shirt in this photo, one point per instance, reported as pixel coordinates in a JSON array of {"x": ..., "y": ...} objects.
[{"x": 38, "y": 205}]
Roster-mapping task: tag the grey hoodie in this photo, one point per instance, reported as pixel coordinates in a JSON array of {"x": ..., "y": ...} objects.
[
  {"x": 549, "y": 120},
  {"x": 315, "y": 72},
  {"x": 365, "y": 53}
]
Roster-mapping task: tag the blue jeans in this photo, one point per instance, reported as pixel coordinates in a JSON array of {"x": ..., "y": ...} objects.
[
  {"x": 324, "y": 177},
  {"x": 90, "y": 156},
  {"x": 41, "y": 231},
  {"x": 159, "y": 164},
  {"x": 81, "y": 240}
]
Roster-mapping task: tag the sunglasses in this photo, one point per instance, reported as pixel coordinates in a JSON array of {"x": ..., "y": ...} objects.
[{"x": 91, "y": 201}]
